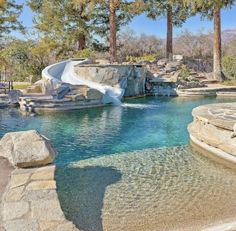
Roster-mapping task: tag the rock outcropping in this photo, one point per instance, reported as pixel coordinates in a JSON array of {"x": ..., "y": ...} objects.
[
  {"x": 165, "y": 77},
  {"x": 26, "y": 149},
  {"x": 131, "y": 78}
]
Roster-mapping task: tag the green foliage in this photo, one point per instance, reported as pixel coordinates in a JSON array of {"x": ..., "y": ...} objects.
[
  {"x": 72, "y": 24},
  {"x": 9, "y": 17},
  {"x": 125, "y": 11},
  {"x": 65, "y": 22},
  {"x": 229, "y": 67},
  {"x": 22, "y": 60},
  {"x": 184, "y": 72},
  {"x": 85, "y": 53},
  {"x": 205, "y": 8},
  {"x": 157, "y": 8}
]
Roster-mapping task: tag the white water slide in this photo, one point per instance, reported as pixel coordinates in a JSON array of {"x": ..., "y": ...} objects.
[{"x": 63, "y": 72}]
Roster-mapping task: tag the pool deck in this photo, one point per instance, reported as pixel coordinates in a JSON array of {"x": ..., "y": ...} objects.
[
  {"x": 5, "y": 173},
  {"x": 213, "y": 132},
  {"x": 30, "y": 202},
  {"x": 211, "y": 90}
]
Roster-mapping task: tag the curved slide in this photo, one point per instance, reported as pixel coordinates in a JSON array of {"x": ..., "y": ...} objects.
[{"x": 63, "y": 72}]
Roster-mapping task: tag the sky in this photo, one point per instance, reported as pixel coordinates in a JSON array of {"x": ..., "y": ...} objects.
[{"x": 141, "y": 24}]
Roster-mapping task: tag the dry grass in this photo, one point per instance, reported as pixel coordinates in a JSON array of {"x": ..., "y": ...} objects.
[
  {"x": 20, "y": 85},
  {"x": 230, "y": 82}
]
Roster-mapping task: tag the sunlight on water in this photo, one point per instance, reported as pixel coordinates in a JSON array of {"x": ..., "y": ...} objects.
[
  {"x": 111, "y": 175},
  {"x": 152, "y": 189},
  {"x": 138, "y": 105}
]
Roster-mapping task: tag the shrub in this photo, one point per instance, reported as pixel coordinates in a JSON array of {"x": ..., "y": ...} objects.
[
  {"x": 85, "y": 53},
  {"x": 184, "y": 72},
  {"x": 229, "y": 67}
]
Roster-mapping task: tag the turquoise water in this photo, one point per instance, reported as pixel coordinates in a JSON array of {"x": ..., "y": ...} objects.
[
  {"x": 130, "y": 168},
  {"x": 138, "y": 124}
]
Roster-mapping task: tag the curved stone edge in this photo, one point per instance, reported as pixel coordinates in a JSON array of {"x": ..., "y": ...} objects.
[
  {"x": 212, "y": 132},
  {"x": 30, "y": 202},
  {"x": 216, "y": 154},
  {"x": 203, "y": 113}
]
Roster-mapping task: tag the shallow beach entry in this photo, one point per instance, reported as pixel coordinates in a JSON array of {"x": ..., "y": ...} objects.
[
  {"x": 152, "y": 189},
  {"x": 130, "y": 168}
]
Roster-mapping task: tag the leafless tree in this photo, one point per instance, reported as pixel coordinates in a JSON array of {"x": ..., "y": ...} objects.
[
  {"x": 131, "y": 44},
  {"x": 195, "y": 45}
]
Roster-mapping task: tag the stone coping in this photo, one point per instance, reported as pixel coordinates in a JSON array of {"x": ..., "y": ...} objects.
[
  {"x": 221, "y": 91},
  {"x": 212, "y": 88},
  {"x": 109, "y": 65},
  {"x": 30, "y": 202},
  {"x": 222, "y": 115}
]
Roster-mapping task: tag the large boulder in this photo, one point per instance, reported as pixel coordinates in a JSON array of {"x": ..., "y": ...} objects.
[
  {"x": 26, "y": 149},
  {"x": 93, "y": 94},
  {"x": 131, "y": 78}
]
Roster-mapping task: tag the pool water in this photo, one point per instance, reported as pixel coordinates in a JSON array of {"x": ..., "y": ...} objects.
[
  {"x": 139, "y": 124},
  {"x": 130, "y": 167}
]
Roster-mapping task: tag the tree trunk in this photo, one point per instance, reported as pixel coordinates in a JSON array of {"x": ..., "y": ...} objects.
[
  {"x": 82, "y": 41},
  {"x": 112, "y": 39},
  {"x": 218, "y": 75},
  {"x": 169, "y": 40}
]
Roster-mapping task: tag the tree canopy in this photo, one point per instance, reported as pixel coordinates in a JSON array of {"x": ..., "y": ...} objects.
[{"x": 9, "y": 17}]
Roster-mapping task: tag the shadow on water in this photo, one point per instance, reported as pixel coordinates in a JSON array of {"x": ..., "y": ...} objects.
[{"x": 81, "y": 192}]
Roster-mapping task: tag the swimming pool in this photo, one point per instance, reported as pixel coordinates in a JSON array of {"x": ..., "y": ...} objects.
[
  {"x": 129, "y": 167},
  {"x": 138, "y": 124}
]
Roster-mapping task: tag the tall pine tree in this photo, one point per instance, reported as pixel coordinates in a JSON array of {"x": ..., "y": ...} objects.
[
  {"x": 176, "y": 13},
  {"x": 111, "y": 15}
]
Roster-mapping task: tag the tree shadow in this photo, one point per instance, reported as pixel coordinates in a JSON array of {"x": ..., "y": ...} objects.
[{"x": 81, "y": 192}]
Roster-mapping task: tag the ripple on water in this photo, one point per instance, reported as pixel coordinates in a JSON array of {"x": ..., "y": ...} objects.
[{"x": 152, "y": 189}]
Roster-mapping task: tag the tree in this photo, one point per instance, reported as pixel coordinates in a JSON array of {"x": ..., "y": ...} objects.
[
  {"x": 66, "y": 22},
  {"x": 71, "y": 23},
  {"x": 23, "y": 58},
  {"x": 9, "y": 17},
  {"x": 112, "y": 14},
  {"x": 212, "y": 10},
  {"x": 194, "y": 45},
  {"x": 169, "y": 36},
  {"x": 132, "y": 45},
  {"x": 176, "y": 13},
  {"x": 112, "y": 22}
]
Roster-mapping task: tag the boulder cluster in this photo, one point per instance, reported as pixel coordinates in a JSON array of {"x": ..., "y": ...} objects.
[{"x": 176, "y": 72}]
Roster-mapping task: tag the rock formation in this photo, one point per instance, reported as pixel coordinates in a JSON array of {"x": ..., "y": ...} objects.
[{"x": 26, "y": 149}]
